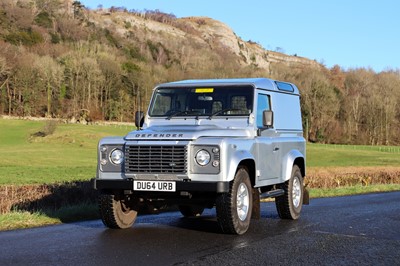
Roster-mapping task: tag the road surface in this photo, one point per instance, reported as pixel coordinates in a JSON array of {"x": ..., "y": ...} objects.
[{"x": 363, "y": 230}]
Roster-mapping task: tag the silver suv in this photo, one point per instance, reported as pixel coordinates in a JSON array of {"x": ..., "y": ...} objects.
[{"x": 208, "y": 143}]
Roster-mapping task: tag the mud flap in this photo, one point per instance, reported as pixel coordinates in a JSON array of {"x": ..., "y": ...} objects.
[
  {"x": 306, "y": 197},
  {"x": 256, "y": 211}
]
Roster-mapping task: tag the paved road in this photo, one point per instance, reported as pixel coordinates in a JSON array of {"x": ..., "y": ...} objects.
[{"x": 363, "y": 230}]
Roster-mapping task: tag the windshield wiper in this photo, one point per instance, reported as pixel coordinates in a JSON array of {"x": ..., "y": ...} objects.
[
  {"x": 187, "y": 112},
  {"x": 222, "y": 111}
]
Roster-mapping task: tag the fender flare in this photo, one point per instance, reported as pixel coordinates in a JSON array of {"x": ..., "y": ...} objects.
[
  {"x": 288, "y": 161},
  {"x": 236, "y": 159}
]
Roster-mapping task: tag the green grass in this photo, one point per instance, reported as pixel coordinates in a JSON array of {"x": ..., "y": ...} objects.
[
  {"x": 352, "y": 190},
  {"x": 24, "y": 219},
  {"x": 319, "y": 155},
  {"x": 67, "y": 155}
]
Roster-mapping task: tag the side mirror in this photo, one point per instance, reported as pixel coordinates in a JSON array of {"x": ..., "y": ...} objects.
[
  {"x": 139, "y": 119},
  {"x": 268, "y": 118}
]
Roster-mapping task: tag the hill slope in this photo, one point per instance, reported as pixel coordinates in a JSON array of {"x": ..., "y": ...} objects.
[{"x": 194, "y": 32}]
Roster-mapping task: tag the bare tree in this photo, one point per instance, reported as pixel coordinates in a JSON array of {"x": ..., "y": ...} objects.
[
  {"x": 358, "y": 85},
  {"x": 4, "y": 78},
  {"x": 50, "y": 73}
]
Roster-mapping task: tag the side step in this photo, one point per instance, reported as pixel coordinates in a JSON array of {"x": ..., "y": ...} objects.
[
  {"x": 280, "y": 192},
  {"x": 272, "y": 194}
]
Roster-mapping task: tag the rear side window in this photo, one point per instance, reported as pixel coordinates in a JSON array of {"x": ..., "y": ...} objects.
[{"x": 283, "y": 86}]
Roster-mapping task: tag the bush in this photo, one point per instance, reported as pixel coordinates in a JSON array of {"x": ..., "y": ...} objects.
[
  {"x": 134, "y": 53},
  {"x": 55, "y": 38},
  {"x": 28, "y": 38},
  {"x": 111, "y": 39},
  {"x": 130, "y": 67},
  {"x": 128, "y": 25},
  {"x": 44, "y": 20},
  {"x": 48, "y": 129}
]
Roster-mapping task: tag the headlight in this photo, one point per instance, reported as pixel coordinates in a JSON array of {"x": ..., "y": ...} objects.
[
  {"x": 203, "y": 157},
  {"x": 117, "y": 156}
]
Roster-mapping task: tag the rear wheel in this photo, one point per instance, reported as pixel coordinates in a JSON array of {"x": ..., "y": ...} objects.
[
  {"x": 115, "y": 212},
  {"x": 191, "y": 210},
  {"x": 289, "y": 205},
  {"x": 234, "y": 208}
]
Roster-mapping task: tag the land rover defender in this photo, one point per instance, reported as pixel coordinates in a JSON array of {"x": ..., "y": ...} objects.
[{"x": 221, "y": 143}]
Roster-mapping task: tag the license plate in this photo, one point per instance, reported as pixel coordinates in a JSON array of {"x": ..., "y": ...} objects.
[{"x": 165, "y": 186}]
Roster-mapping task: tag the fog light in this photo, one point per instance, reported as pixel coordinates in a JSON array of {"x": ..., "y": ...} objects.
[
  {"x": 103, "y": 161},
  {"x": 215, "y": 163}
]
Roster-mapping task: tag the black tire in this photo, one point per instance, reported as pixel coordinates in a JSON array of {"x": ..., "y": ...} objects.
[
  {"x": 289, "y": 205},
  {"x": 115, "y": 213},
  {"x": 191, "y": 210},
  {"x": 234, "y": 219}
]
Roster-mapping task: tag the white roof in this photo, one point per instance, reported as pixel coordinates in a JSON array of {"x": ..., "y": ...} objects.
[{"x": 260, "y": 83}]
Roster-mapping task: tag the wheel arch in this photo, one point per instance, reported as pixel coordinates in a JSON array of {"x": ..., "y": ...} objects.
[
  {"x": 250, "y": 166},
  {"x": 300, "y": 162},
  {"x": 294, "y": 157},
  {"x": 242, "y": 159}
]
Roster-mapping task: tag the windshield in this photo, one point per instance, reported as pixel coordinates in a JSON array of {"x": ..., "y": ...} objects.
[{"x": 201, "y": 101}]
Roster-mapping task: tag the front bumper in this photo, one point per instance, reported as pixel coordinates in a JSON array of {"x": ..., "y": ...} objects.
[{"x": 190, "y": 186}]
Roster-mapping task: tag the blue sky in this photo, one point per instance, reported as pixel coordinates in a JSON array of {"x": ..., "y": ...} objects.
[{"x": 350, "y": 33}]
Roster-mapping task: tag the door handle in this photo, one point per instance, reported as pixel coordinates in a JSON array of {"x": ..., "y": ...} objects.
[{"x": 276, "y": 149}]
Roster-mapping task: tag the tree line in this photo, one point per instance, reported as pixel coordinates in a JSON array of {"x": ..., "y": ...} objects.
[{"x": 55, "y": 62}]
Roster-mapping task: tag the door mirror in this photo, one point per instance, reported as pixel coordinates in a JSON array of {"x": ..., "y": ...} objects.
[
  {"x": 139, "y": 119},
  {"x": 268, "y": 118}
]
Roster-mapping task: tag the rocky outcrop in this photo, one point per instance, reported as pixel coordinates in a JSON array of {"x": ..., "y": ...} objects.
[{"x": 202, "y": 31}]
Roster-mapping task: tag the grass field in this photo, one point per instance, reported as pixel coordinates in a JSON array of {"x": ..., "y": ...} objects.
[
  {"x": 320, "y": 155},
  {"x": 67, "y": 155},
  {"x": 70, "y": 153}
]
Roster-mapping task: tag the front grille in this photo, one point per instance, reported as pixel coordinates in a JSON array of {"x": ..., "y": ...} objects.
[{"x": 155, "y": 159}]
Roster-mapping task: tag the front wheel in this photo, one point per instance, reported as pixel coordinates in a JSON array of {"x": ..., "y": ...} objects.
[
  {"x": 289, "y": 205},
  {"x": 115, "y": 212},
  {"x": 234, "y": 208}
]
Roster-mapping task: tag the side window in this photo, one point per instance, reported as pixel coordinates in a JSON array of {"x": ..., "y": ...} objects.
[{"x": 263, "y": 103}]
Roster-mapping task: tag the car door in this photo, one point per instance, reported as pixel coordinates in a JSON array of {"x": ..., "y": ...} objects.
[{"x": 267, "y": 145}]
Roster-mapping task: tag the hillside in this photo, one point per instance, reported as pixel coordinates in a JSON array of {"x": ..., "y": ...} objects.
[
  {"x": 59, "y": 59},
  {"x": 193, "y": 32}
]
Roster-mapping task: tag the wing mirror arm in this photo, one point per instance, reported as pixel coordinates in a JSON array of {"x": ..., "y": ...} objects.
[{"x": 139, "y": 119}]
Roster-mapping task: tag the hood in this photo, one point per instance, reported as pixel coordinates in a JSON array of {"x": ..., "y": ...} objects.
[{"x": 180, "y": 132}]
